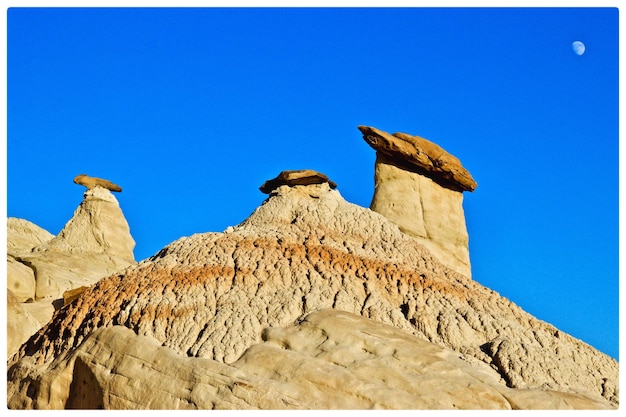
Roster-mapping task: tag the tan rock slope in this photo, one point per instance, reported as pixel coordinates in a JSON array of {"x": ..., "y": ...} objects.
[
  {"x": 94, "y": 243},
  {"x": 331, "y": 359},
  {"x": 419, "y": 186},
  {"x": 240, "y": 320}
]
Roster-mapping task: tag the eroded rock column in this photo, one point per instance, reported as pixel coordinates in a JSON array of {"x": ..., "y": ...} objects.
[{"x": 419, "y": 187}]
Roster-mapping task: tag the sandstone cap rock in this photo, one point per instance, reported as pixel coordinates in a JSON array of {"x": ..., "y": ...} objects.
[
  {"x": 296, "y": 177},
  {"x": 424, "y": 155},
  {"x": 91, "y": 182}
]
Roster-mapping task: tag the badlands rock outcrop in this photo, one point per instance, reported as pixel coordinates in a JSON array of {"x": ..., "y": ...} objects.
[
  {"x": 330, "y": 359},
  {"x": 22, "y": 237},
  {"x": 419, "y": 186},
  {"x": 311, "y": 302},
  {"x": 94, "y": 243}
]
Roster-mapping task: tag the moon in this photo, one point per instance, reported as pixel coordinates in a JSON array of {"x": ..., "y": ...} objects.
[{"x": 578, "y": 47}]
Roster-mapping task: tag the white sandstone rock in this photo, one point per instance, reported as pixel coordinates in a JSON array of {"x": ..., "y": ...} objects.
[
  {"x": 425, "y": 210},
  {"x": 23, "y": 236},
  {"x": 20, "y": 280}
]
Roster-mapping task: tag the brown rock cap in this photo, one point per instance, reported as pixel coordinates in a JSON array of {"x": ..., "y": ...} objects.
[
  {"x": 296, "y": 177},
  {"x": 91, "y": 182},
  {"x": 427, "y": 157}
]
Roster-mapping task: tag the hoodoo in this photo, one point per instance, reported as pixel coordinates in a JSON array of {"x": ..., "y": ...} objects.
[
  {"x": 311, "y": 302},
  {"x": 419, "y": 187},
  {"x": 93, "y": 244}
]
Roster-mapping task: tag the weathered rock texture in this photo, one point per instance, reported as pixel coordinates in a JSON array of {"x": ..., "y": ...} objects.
[
  {"x": 424, "y": 210},
  {"x": 418, "y": 186},
  {"x": 206, "y": 309},
  {"x": 23, "y": 236},
  {"x": 329, "y": 360},
  {"x": 297, "y": 177},
  {"x": 21, "y": 324},
  {"x": 92, "y": 182},
  {"x": 94, "y": 243}
]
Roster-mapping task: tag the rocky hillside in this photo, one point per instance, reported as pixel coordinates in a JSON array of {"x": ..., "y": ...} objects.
[
  {"x": 41, "y": 267},
  {"x": 311, "y": 302}
]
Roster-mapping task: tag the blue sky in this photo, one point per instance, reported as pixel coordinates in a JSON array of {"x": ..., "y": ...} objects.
[{"x": 191, "y": 110}]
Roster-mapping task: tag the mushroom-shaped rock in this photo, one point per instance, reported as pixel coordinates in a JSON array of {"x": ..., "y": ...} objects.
[
  {"x": 91, "y": 182},
  {"x": 297, "y": 177},
  {"x": 419, "y": 187},
  {"x": 428, "y": 158}
]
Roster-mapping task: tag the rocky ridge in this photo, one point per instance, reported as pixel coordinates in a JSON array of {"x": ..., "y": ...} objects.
[{"x": 214, "y": 301}]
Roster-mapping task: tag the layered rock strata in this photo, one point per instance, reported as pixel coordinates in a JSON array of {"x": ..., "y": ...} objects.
[
  {"x": 206, "y": 311},
  {"x": 418, "y": 186}
]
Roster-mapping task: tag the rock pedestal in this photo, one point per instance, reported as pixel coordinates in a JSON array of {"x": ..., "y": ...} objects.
[{"x": 419, "y": 187}]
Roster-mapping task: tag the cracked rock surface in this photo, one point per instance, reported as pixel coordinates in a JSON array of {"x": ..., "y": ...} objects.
[
  {"x": 329, "y": 360},
  {"x": 216, "y": 298}
]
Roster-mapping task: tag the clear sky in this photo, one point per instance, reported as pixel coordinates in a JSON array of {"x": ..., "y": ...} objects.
[{"x": 191, "y": 110}]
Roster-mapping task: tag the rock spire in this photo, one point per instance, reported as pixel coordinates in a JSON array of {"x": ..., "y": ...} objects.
[
  {"x": 93, "y": 244},
  {"x": 418, "y": 186}
]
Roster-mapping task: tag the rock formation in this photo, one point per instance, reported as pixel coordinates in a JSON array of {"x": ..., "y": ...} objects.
[
  {"x": 311, "y": 302},
  {"x": 422, "y": 155},
  {"x": 418, "y": 186},
  {"x": 23, "y": 236},
  {"x": 94, "y": 243},
  {"x": 21, "y": 324},
  {"x": 329, "y": 360},
  {"x": 297, "y": 177},
  {"x": 92, "y": 182}
]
